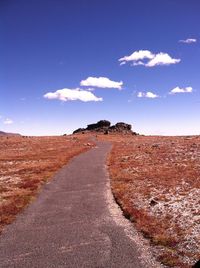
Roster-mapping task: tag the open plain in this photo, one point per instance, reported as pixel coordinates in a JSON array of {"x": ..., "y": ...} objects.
[{"x": 156, "y": 181}]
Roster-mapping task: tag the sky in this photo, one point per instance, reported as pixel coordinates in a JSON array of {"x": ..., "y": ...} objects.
[{"x": 68, "y": 63}]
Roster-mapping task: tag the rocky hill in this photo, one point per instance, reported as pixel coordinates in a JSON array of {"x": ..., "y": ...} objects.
[{"x": 104, "y": 126}]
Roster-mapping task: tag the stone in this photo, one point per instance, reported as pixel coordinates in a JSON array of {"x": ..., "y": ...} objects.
[
  {"x": 99, "y": 124},
  {"x": 196, "y": 265},
  {"x": 121, "y": 127},
  {"x": 79, "y": 130},
  {"x": 153, "y": 202}
]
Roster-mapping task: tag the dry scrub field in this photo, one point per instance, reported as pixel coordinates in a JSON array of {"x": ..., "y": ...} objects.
[
  {"x": 156, "y": 181},
  {"x": 28, "y": 162}
]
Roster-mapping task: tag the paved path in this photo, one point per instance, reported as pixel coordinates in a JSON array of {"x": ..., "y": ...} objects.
[{"x": 69, "y": 224}]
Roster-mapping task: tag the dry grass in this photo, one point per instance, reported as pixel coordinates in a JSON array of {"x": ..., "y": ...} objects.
[
  {"x": 156, "y": 181},
  {"x": 28, "y": 162}
]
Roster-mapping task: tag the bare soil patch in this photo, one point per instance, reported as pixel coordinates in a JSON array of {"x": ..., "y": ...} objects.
[
  {"x": 156, "y": 181},
  {"x": 26, "y": 163}
]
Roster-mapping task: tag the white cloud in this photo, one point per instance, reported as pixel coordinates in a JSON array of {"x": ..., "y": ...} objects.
[
  {"x": 90, "y": 89},
  {"x": 181, "y": 90},
  {"x": 147, "y": 94},
  {"x": 188, "y": 41},
  {"x": 162, "y": 59},
  {"x": 122, "y": 63},
  {"x": 149, "y": 59},
  {"x": 140, "y": 94},
  {"x": 67, "y": 94},
  {"x": 138, "y": 63},
  {"x": 102, "y": 82},
  {"x": 8, "y": 121},
  {"x": 138, "y": 55}
]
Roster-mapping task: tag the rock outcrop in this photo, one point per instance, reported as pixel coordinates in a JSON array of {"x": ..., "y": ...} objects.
[
  {"x": 121, "y": 127},
  {"x": 104, "y": 126}
]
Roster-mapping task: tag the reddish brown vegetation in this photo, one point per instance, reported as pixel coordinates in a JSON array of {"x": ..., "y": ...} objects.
[
  {"x": 156, "y": 181},
  {"x": 28, "y": 162}
]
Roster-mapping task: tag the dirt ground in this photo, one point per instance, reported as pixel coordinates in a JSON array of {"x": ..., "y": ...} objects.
[
  {"x": 156, "y": 181},
  {"x": 26, "y": 163}
]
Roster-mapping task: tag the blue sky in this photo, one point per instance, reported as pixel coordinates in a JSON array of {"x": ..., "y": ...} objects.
[{"x": 65, "y": 64}]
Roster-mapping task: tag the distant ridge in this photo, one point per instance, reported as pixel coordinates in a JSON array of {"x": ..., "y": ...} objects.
[{"x": 2, "y": 133}]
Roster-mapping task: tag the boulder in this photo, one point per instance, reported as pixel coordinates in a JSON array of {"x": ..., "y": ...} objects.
[
  {"x": 100, "y": 124},
  {"x": 121, "y": 127},
  {"x": 79, "y": 130}
]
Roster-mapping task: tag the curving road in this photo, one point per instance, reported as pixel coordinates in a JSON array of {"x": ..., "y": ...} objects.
[{"x": 70, "y": 224}]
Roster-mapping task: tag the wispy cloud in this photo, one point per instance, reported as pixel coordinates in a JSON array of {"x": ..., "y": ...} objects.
[
  {"x": 147, "y": 94},
  {"x": 101, "y": 82},
  {"x": 188, "y": 41},
  {"x": 148, "y": 59},
  {"x": 122, "y": 63},
  {"x": 177, "y": 90},
  {"x": 8, "y": 121},
  {"x": 67, "y": 94}
]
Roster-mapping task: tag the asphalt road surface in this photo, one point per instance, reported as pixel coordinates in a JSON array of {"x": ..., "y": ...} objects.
[{"x": 70, "y": 224}]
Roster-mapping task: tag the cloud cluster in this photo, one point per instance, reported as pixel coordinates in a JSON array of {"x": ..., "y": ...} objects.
[
  {"x": 148, "y": 59},
  {"x": 101, "y": 82},
  {"x": 177, "y": 90},
  {"x": 140, "y": 57},
  {"x": 67, "y": 94},
  {"x": 188, "y": 41},
  {"x": 147, "y": 94}
]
